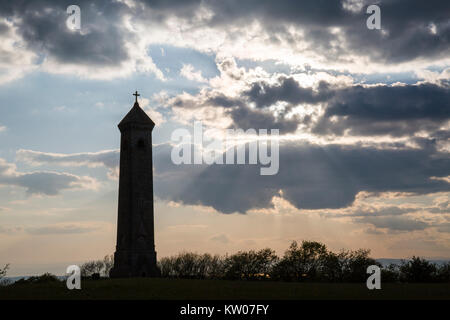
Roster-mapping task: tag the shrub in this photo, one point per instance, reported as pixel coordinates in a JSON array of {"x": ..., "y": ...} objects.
[
  {"x": 354, "y": 265},
  {"x": 418, "y": 270},
  {"x": 443, "y": 272},
  {"x": 301, "y": 263},
  {"x": 45, "y": 278},
  {"x": 191, "y": 265},
  {"x": 331, "y": 269},
  {"x": 249, "y": 264},
  {"x": 390, "y": 273}
]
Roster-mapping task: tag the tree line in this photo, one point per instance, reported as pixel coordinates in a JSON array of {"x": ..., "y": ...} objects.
[{"x": 307, "y": 261}]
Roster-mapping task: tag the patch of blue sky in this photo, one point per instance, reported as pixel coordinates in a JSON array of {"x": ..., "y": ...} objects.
[
  {"x": 67, "y": 114},
  {"x": 271, "y": 66},
  {"x": 437, "y": 68},
  {"x": 408, "y": 77},
  {"x": 170, "y": 60}
]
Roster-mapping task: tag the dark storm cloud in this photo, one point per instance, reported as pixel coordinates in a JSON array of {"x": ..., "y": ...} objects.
[
  {"x": 409, "y": 34},
  {"x": 311, "y": 12},
  {"x": 393, "y": 103},
  {"x": 42, "y": 25},
  {"x": 355, "y": 110},
  {"x": 4, "y": 28},
  {"x": 288, "y": 90},
  {"x": 247, "y": 118},
  {"x": 41, "y": 182},
  {"x": 48, "y": 183},
  {"x": 380, "y": 110},
  {"x": 406, "y": 24},
  {"x": 222, "y": 100},
  {"x": 310, "y": 177},
  {"x": 242, "y": 115}
]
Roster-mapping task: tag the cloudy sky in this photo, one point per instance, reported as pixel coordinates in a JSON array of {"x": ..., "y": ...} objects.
[{"x": 363, "y": 115}]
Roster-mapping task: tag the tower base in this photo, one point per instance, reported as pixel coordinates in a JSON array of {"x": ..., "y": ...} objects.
[{"x": 134, "y": 264}]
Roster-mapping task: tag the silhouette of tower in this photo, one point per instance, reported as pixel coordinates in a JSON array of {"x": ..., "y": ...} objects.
[{"x": 135, "y": 254}]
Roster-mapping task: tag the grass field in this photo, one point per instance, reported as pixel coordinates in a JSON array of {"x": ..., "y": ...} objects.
[{"x": 171, "y": 289}]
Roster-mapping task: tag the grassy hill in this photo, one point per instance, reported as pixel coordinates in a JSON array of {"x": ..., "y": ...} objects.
[{"x": 169, "y": 289}]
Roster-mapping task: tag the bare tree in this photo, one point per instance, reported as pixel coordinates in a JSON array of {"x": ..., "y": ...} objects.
[
  {"x": 102, "y": 267},
  {"x": 91, "y": 267},
  {"x": 3, "y": 271}
]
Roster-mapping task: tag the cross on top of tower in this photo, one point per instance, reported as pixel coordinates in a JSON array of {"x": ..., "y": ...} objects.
[
  {"x": 136, "y": 94},
  {"x": 136, "y": 116}
]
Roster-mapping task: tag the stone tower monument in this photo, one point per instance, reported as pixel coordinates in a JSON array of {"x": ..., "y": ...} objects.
[{"x": 135, "y": 254}]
